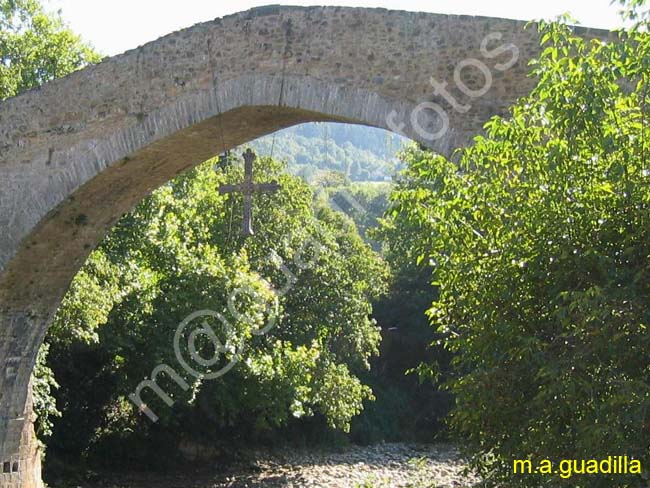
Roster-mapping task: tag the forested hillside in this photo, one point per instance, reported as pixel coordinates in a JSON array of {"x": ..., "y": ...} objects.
[{"x": 361, "y": 153}]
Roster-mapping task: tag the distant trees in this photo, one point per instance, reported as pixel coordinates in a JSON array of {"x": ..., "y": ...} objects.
[
  {"x": 539, "y": 237},
  {"x": 364, "y": 202},
  {"x": 360, "y": 153}
]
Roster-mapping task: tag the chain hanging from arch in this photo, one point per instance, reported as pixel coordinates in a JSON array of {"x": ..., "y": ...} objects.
[{"x": 326, "y": 145}]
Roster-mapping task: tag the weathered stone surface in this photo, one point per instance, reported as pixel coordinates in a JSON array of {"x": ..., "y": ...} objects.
[{"x": 79, "y": 152}]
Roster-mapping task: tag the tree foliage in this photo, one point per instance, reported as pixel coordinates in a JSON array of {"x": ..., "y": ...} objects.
[
  {"x": 36, "y": 47},
  {"x": 179, "y": 251},
  {"x": 539, "y": 235},
  {"x": 360, "y": 153}
]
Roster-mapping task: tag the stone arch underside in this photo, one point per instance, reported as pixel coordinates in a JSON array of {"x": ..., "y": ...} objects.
[{"x": 78, "y": 153}]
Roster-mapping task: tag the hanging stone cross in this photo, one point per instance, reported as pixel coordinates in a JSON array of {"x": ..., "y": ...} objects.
[{"x": 248, "y": 189}]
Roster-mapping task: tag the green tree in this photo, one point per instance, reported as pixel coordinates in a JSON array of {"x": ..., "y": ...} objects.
[
  {"x": 36, "y": 47},
  {"x": 539, "y": 234},
  {"x": 360, "y": 153},
  {"x": 179, "y": 251},
  {"x": 363, "y": 202}
]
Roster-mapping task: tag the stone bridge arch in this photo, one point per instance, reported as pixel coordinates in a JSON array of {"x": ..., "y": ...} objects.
[{"x": 79, "y": 152}]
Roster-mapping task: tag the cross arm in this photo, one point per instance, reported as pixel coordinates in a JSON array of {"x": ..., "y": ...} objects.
[
  {"x": 266, "y": 187},
  {"x": 223, "y": 189}
]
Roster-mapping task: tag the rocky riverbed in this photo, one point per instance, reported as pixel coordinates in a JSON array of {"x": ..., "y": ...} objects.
[{"x": 379, "y": 466}]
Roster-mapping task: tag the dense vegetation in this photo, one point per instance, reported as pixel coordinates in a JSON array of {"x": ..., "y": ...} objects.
[
  {"x": 539, "y": 238},
  {"x": 407, "y": 407},
  {"x": 360, "y": 153},
  {"x": 532, "y": 244},
  {"x": 179, "y": 252},
  {"x": 36, "y": 47}
]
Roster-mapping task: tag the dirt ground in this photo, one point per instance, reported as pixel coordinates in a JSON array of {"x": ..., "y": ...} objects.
[{"x": 379, "y": 466}]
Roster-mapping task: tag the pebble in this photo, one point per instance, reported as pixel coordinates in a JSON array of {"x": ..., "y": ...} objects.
[{"x": 396, "y": 465}]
